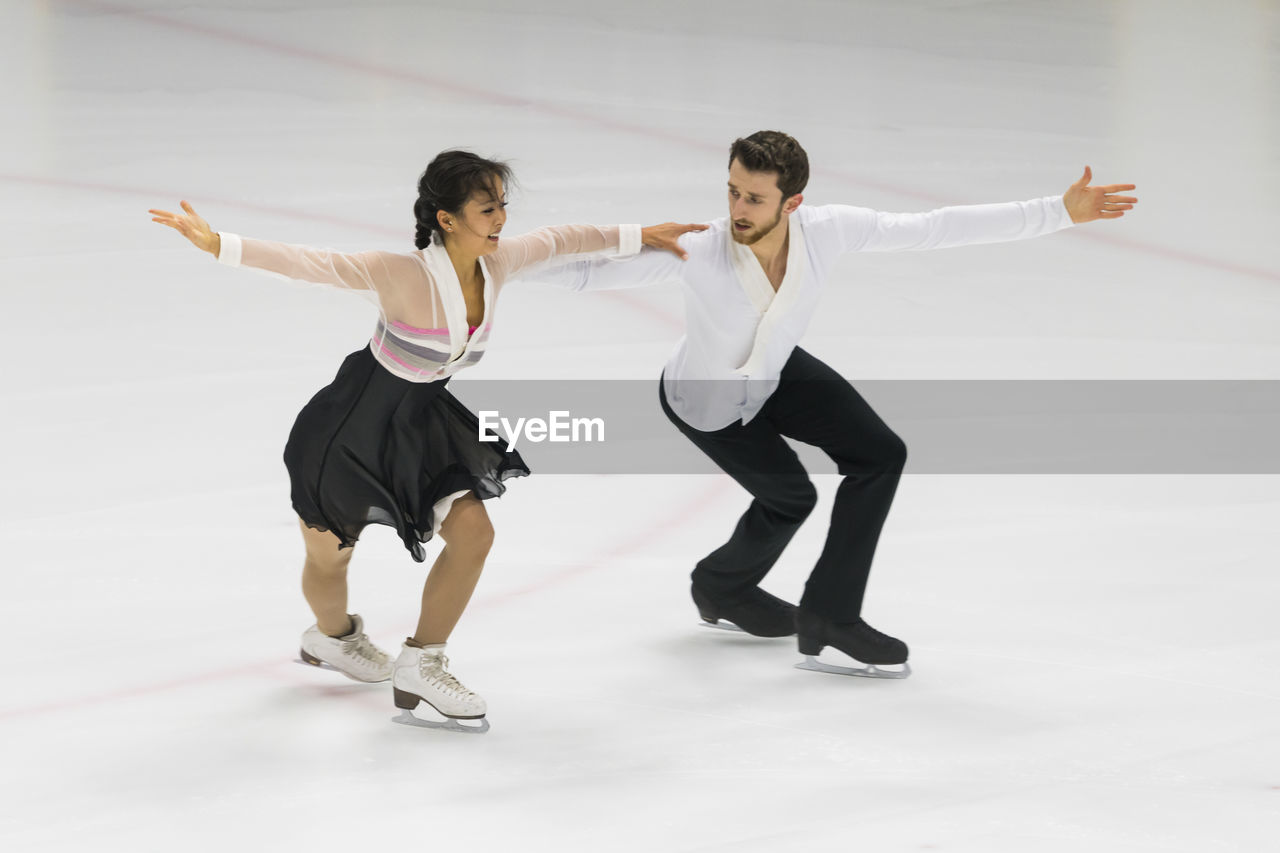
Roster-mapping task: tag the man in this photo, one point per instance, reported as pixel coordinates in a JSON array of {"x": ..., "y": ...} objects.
[{"x": 738, "y": 383}]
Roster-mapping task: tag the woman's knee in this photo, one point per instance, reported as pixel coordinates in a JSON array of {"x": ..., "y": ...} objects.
[
  {"x": 324, "y": 550},
  {"x": 468, "y": 526}
]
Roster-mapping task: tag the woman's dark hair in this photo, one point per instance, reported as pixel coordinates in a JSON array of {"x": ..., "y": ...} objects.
[
  {"x": 773, "y": 151},
  {"x": 450, "y": 179}
]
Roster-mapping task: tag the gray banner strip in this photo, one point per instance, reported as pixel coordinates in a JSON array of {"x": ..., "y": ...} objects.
[{"x": 949, "y": 426}]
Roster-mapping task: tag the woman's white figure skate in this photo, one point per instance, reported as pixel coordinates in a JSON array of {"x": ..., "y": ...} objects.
[
  {"x": 422, "y": 675},
  {"x": 353, "y": 655}
]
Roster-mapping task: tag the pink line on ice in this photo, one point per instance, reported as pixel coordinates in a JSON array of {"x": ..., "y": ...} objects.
[
  {"x": 155, "y": 193},
  {"x": 635, "y": 543},
  {"x": 140, "y": 690},
  {"x": 393, "y": 73}
]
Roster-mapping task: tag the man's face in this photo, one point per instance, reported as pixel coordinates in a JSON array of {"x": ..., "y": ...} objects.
[{"x": 755, "y": 203}]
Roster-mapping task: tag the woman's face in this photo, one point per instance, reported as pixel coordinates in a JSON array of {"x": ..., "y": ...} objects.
[{"x": 474, "y": 229}]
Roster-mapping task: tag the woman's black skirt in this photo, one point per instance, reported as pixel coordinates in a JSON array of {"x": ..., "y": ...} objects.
[{"x": 372, "y": 448}]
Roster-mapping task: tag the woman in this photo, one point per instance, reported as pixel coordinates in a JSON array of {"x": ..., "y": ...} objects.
[{"x": 386, "y": 442}]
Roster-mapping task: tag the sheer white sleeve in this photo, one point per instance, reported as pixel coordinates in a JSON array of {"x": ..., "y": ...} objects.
[
  {"x": 372, "y": 271},
  {"x": 543, "y": 244},
  {"x": 652, "y": 266}
]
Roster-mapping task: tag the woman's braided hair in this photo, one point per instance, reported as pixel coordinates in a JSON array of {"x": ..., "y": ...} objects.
[{"x": 450, "y": 179}]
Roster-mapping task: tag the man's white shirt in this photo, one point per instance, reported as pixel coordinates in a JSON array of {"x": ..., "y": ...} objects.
[{"x": 740, "y": 332}]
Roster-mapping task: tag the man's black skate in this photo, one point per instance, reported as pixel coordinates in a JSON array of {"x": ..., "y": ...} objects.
[
  {"x": 857, "y": 639},
  {"x": 755, "y": 612}
]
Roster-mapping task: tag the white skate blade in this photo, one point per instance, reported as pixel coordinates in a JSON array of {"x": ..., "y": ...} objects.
[
  {"x": 722, "y": 625},
  {"x": 328, "y": 667},
  {"x": 469, "y": 727},
  {"x": 869, "y": 670}
]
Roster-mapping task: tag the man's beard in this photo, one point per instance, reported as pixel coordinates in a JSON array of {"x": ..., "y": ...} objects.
[{"x": 757, "y": 235}]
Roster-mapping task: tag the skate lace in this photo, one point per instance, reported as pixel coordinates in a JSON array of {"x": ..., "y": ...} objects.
[
  {"x": 435, "y": 670},
  {"x": 360, "y": 647}
]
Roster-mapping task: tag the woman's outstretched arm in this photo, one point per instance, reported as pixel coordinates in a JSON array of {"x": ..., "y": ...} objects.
[
  {"x": 373, "y": 271},
  {"x": 543, "y": 245}
]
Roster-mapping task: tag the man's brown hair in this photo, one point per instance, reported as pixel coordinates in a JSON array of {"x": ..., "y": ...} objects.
[{"x": 773, "y": 151}]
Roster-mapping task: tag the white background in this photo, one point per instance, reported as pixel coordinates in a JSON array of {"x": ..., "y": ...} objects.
[{"x": 1096, "y": 657}]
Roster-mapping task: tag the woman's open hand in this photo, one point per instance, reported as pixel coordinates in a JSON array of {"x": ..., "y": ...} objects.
[{"x": 191, "y": 226}]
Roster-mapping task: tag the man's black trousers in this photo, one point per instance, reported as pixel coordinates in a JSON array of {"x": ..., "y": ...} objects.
[{"x": 815, "y": 405}]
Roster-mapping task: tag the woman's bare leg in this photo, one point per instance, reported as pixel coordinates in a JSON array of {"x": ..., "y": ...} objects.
[
  {"x": 324, "y": 580},
  {"x": 468, "y": 535}
]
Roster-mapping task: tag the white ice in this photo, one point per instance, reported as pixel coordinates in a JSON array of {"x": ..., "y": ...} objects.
[{"x": 1097, "y": 658}]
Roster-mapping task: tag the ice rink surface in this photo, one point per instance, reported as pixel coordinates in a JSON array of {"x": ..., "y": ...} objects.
[{"x": 1097, "y": 658}]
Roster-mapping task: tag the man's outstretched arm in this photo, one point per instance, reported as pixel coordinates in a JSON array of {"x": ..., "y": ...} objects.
[{"x": 863, "y": 230}]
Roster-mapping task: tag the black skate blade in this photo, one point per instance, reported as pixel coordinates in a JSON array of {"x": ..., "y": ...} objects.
[
  {"x": 867, "y": 670},
  {"x": 471, "y": 727}
]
